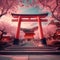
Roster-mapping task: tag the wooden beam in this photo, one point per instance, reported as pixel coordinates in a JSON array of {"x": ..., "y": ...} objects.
[
  {"x": 42, "y": 20},
  {"x": 31, "y": 15}
]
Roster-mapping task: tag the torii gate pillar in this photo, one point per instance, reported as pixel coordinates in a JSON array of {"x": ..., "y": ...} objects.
[{"x": 40, "y": 30}]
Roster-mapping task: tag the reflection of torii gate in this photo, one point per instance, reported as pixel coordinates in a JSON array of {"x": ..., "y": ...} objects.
[{"x": 29, "y": 18}]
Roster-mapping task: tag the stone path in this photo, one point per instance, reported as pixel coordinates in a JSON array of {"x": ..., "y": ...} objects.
[{"x": 29, "y": 57}]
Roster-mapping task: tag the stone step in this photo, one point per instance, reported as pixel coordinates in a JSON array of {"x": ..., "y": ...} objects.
[
  {"x": 20, "y": 48},
  {"x": 29, "y": 52}
]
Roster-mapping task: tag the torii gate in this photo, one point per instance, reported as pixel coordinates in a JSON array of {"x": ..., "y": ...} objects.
[{"x": 29, "y": 18}]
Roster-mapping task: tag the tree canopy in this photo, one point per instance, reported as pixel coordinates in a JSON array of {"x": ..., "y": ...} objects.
[
  {"x": 6, "y": 5},
  {"x": 52, "y": 5}
]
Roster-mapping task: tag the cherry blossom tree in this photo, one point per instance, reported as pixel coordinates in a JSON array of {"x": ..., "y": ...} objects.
[
  {"x": 6, "y": 5},
  {"x": 48, "y": 31},
  {"x": 54, "y": 7}
]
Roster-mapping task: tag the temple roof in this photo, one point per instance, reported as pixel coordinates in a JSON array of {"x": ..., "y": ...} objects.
[{"x": 28, "y": 30}]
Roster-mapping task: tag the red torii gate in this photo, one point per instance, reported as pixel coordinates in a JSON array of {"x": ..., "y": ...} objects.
[{"x": 29, "y": 18}]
